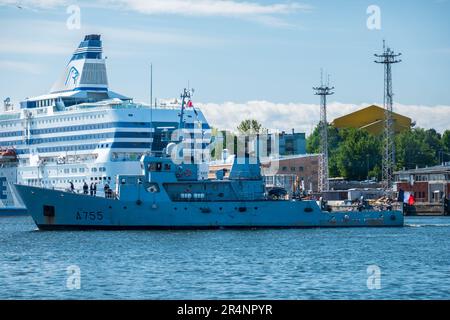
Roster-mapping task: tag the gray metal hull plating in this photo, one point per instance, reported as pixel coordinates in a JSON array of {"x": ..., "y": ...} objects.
[{"x": 76, "y": 211}]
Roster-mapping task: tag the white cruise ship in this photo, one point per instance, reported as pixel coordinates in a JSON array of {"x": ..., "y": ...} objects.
[{"x": 81, "y": 132}]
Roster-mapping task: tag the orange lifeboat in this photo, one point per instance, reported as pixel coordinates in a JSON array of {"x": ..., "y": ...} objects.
[{"x": 8, "y": 154}]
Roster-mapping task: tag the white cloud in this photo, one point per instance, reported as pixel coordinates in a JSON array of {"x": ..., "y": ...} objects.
[
  {"x": 209, "y": 7},
  {"x": 20, "y": 66},
  {"x": 304, "y": 117},
  {"x": 437, "y": 117},
  {"x": 42, "y": 4},
  {"x": 267, "y": 14}
]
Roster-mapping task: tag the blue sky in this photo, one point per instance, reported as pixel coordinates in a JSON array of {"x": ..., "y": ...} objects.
[{"x": 233, "y": 50}]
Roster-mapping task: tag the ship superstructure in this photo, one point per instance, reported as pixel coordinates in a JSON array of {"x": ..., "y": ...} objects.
[{"x": 81, "y": 132}]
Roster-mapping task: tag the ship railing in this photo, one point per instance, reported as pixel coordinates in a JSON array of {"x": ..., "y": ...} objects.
[
  {"x": 120, "y": 106},
  {"x": 98, "y": 193}
]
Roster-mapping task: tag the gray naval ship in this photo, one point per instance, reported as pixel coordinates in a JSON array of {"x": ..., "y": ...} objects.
[{"x": 173, "y": 193}]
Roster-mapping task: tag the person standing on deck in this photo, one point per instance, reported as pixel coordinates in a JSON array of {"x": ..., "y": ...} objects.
[
  {"x": 107, "y": 190},
  {"x": 85, "y": 188}
]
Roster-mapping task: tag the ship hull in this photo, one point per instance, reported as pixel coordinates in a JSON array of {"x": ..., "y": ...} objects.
[{"x": 56, "y": 210}]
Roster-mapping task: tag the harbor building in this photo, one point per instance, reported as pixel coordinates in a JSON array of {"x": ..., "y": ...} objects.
[
  {"x": 298, "y": 172},
  {"x": 371, "y": 119},
  {"x": 428, "y": 185},
  {"x": 290, "y": 144}
]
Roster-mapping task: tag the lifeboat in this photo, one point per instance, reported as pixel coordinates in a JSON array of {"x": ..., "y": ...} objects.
[{"x": 8, "y": 155}]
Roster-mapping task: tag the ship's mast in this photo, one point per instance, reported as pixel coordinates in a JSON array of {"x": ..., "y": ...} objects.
[
  {"x": 388, "y": 57},
  {"x": 151, "y": 94},
  {"x": 151, "y": 84},
  {"x": 187, "y": 94},
  {"x": 185, "y": 98},
  {"x": 323, "y": 91}
]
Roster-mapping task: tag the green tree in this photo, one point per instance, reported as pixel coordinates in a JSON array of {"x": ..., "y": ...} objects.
[
  {"x": 416, "y": 147},
  {"x": 250, "y": 126},
  {"x": 445, "y": 143},
  {"x": 356, "y": 154},
  {"x": 433, "y": 139},
  {"x": 359, "y": 154},
  {"x": 334, "y": 139}
]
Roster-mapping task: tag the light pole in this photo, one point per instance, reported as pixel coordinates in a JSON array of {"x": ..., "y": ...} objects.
[{"x": 367, "y": 162}]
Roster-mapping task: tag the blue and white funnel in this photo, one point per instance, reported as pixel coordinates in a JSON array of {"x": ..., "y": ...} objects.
[{"x": 86, "y": 70}]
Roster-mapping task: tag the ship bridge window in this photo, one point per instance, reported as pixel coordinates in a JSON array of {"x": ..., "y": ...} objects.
[{"x": 155, "y": 166}]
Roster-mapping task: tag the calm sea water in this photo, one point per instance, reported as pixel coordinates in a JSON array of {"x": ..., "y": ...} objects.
[{"x": 414, "y": 263}]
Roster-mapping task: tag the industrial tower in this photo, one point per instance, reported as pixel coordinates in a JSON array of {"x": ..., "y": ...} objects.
[
  {"x": 323, "y": 91},
  {"x": 388, "y": 57}
]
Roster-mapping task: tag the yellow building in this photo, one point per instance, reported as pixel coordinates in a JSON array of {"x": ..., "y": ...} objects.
[{"x": 372, "y": 120}]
